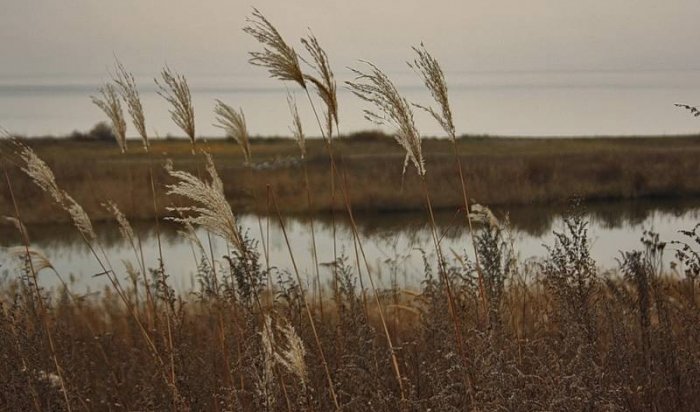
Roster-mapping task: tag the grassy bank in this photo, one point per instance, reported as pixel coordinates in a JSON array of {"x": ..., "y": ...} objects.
[
  {"x": 498, "y": 171},
  {"x": 556, "y": 335}
]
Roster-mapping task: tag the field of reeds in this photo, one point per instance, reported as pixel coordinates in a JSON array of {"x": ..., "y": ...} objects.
[{"x": 485, "y": 331}]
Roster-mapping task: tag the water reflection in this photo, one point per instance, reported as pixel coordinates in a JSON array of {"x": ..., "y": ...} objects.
[{"x": 396, "y": 237}]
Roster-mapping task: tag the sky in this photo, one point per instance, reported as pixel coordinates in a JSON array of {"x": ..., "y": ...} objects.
[{"x": 76, "y": 37}]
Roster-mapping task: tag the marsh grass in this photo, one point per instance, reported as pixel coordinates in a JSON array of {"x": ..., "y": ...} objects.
[{"x": 558, "y": 335}]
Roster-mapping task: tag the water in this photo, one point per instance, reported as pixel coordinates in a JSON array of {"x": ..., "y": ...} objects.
[
  {"x": 399, "y": 237},
  {"x": 519, "y": 104}
]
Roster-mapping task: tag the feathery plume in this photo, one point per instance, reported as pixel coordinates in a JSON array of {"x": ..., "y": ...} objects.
[
  {"x": 81, "y": 220},
  {"x": 325, "y": 83},
  {"x": 296, "y": 128},
  {"x": 173, "y": 88},
  {"x": 484, "y": 215},
  {"x": 292, "y": 357},
  {"x": 233, "y": 123},
  {"x": 43, "y": 177},
  {"x": 375, "y": 87},
  {"x": 109, "y": 103},
  {"x": 277, "y": 56},
  {"x": 434, "y": 79},
  {"x": 213, "y": 211},
  {"x": 267, "y": 339},
  {"x": 127, "y": 89},
  {"x": 124, "y": 227},
  {"x": 38, "y": 258}
]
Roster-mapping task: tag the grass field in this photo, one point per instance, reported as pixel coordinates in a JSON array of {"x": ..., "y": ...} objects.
[{"x": 499, "y": 171}]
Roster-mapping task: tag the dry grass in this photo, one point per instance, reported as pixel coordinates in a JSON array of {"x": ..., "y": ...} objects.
[
  {"x": 542, "y": 350},
  {"x": 233, "y": 123},
  {"x": 129, "y": 93},
  {"x": 501, "y": 171},
  {"x": 486, "y": 332},
  {"x": 175, "y": 90},
  {"x": 110, "y": 104}
]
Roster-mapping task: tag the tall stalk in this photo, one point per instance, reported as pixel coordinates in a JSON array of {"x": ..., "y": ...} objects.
[
  {"x": 306, "y": 305},
  {"x": 433, "y": 77},
  {"x": 40, "y": 300}
]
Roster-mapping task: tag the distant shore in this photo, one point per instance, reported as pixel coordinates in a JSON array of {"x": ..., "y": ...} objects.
[{"x": 498, "y": 171}]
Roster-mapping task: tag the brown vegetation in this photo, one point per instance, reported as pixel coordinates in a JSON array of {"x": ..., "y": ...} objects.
[
  {"x": 499, "y": 171},
  {"x": 492, "y": 333},
  {"x": 558, "y": 335}
]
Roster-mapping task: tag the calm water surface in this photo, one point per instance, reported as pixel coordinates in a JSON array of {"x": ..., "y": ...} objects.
[
  {"x": 398, "y": 237},
  {"x": 518, "y": 104}
]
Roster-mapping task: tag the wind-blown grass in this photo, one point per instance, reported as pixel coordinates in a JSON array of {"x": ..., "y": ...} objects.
[
  {"x": 174, "y": 89},
  {"x": 130, "y": 94},
  {"x": 375, "y": 87},
  {"x": 233, "y": 123},
  {"x": 556, "y": 334},
  {"x": 277, "y": 56},
  {"x": 108, "y": 101},
  {"x": 213, "y": 211}
]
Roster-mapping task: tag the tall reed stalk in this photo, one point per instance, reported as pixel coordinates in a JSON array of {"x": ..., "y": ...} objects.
[
  {"x": 298, "y": 134},
  {"x": 212, "y": 212},
  {"x": 282, "y": 63},
  {"x": 176, "y": 91},
  {"x": 305, "y": 302},
  {"x": 376, "y": 88},
  {"x": 44, "y": 178},
  {"x": 434, "y": 79},
  {"x": 40, "y": 300}
]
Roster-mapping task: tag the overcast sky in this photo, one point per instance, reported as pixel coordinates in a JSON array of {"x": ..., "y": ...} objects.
[{"x": 77, "y": 37}]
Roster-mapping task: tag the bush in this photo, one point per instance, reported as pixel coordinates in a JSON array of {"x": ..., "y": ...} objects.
[{"x": 100, "y": 132}]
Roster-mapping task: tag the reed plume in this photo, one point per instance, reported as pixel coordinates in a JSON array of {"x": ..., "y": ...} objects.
[
  {"x": 213, "y": 211},
  {"x": 433, "y": 77},
  {"x": 38, "y": 258},
  {"x": 108, "y": 101},
  {"x": 376, "y": 88},
  {"x": 127, "y": 89},
  {"x": 233, "y": 123},
  {"x": 484, "y": 215},
  {"x": 124, "y": 226},
  {"x": 174, "y": 89},
  {"x": 280, "y": 59},
  {"x": 325, "y": 82},
  {"x": 296, "y": 129},
  {"x": 266, "y": 384},
  {"x": 43, "y": 177},
  {"x": 292, "y": 357}
]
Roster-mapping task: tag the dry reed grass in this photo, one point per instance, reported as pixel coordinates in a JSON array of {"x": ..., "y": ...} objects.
[
  {"x": 108, "y": 101},
  {"x": 174, "y": 89},
  {"x": 376, "y": 88},
  {"x": 234, "y": 125},
  {"x": 129, "y": 93},
  {"x": 560, "y": 335}
]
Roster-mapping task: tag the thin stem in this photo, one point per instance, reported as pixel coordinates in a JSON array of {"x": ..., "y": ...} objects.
[
  {"x": 482, "y": 290},
  {"x": 306, "y": 306},
  {"x": 42, "y": 307},
  {"x": 448, "y": 285}
]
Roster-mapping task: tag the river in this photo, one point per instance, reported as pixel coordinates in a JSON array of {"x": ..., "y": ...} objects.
[{"x": 397, "y": 238}]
